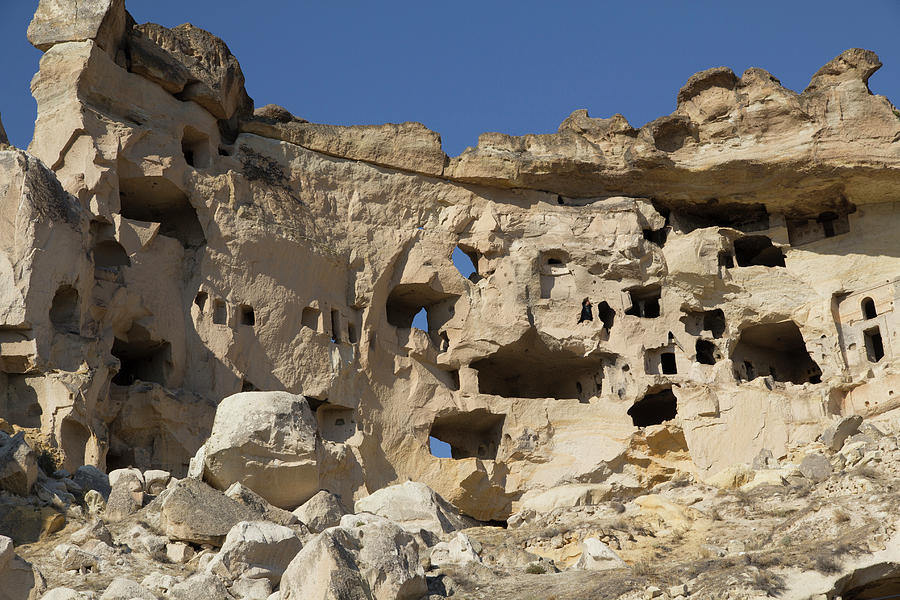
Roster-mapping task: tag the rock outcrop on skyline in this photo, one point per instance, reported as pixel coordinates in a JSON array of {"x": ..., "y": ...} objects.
[{"x": 218, "y": 303}]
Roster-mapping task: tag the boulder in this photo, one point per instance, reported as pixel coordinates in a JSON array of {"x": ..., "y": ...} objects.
[
  {"x": 18, "y": 464},
  {"x": 19, "y": 581},
  {"x": 252, "y": 589},
  {"x": 96, "y": 530},
  {"x": 127, "y": 495},
  {"x": 90, "y": 477},
  {"x": 200, "y": 586},
  {"x": 258, "y": 504},
  {"x": 458, "y": 550},
  {"x": 123, "y": 588},
  {"x": 128, "y": 472},
  {"x": 597, "y": 556},
  {"x": 325, "y": 569},
  {"x": 413, "y": 506},
  {"x": 320, "y": 512},
  {"x": 257, "y": 549},
  {"x": 155, "y": 481},
  {"x": 73, "y": 558},
  {"x": 815, "y": 467},
  {"x": 94, "y": 502},
  {"x": 387, "y": 557},
  {"x": 835, "y": 436},
  {"x": 267, "y": 442},
  {"x": 179, "y": 552},
  {"x": 191, "y": 511},
  {"x": 58, "y": 21},
  {"x": 566, "y": 496},
  {"x": 62, "y": 593}
]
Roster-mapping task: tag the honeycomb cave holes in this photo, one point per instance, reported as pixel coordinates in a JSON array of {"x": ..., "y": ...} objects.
[
  {"x": 776, "y": 350},
  {"x": 753, "y": 250},
  {"x": 141, "y": 358},
  {"x": 157, "y": 200},
  {"x": 472, "y": 434},
  {"x": 65, "y": 313},
  {"x": 645, "y": 302},
  {"x": 654, "y": 408},
  {"x": 465, "y": 259},
  {"x": 527, "y": 368},
  {"x": 196, "y": 148}
]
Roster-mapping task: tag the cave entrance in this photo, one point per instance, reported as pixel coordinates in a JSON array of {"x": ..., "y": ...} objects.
[
  {"x": 874, "y": 344},
  {"x": 868, "y": 309},
  {"x": 527, "y": 368},
  {"x": 195, "y": 147},
  {"x": 645, "y": 302},
  {"x": 64, "y": 310},
  {"x": 408, "y": 299},
  {"x": 158, "y": 200},
  {"x": 706, "y": 352},
  {"x": 141, "y": 358},
  {"x": 472, "y": 434},
  {"x": 606, "y": 315},
  {"x": 775, "y": 349},
  {"x": 757, "y": 250},
  {"x": 654, "y": 408}
]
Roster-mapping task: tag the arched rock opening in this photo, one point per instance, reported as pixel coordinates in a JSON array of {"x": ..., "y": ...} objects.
[
  {"x": 65, "y": 314},
  {"x": 158, "y": 200},
  {"x": 775, "y": 349},
  {"x": 470, "y": 434},
  {"x": 527, "y": 368},
  {"x": 654, "y": 408}
]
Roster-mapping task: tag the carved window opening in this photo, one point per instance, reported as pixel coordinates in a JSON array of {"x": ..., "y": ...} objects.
[
  {"x": 200, "y": 300},
  {"x": 352, "y": 335},
  {"x": 65, "y": 314},
  {"x": 310, "y": 318},
  {"x": 645, "y": 302},
  {"x": 874, "y": 344},
  {"x": 757, "y": 250},
  {"x": 466, "y": 259},
  {"x": 473, "y": 434},
  {"x": 654, "y": 409},
  {"x": 142, "y": 360},
  {"x": 407, "y": 301},
  {"x": 335, "y": 326},
  {"x": 868, "y": 309},
  {"x": 606, "y": 315},
  {"x": 667, "y": 363},
  {"x": 196, "y": 148},
  {"x": 247, "y": 316},
  {"x": 706, "y": 352},
  {"x": 220, "y": 312}
]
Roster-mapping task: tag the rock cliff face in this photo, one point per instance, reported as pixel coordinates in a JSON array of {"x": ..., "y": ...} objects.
[{"x": 163, "y": 246}]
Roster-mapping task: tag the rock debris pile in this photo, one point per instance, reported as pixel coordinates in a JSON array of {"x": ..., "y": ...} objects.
[{"x": 670, "y": 373}]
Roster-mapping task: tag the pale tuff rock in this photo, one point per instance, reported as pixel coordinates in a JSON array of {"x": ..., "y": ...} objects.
[
  {"x": 596, "y": 556},
  {"x": 60, "y": 21},
  {"x": 320, "y": 512},
  {"x": 257, "y": 549},
  {"x": 19, "y": 579},
  {"x": 123, "y": 588},
  {"x": 3, "y": 138},
  {"x": 414, "y": 507},
  {"x": 164, "y": 247},
  {"x": 191, "y": 511},
  {"x": 266, "y": 441}
]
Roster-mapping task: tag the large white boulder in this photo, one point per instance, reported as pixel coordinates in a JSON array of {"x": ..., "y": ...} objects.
[
  {"x": 256, "y": 549},
  {"x": 413, "y": 506},
  {"x": 267, "y": 442},
  {"x": 320, "y": 512},
  {"x": 325, "y": 570},
  {"x": 597, "y": 556},
  {"x": 16, "y": 575}
]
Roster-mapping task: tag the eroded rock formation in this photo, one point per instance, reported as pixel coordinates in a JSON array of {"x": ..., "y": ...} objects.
[{"x": 163, "y": 247}]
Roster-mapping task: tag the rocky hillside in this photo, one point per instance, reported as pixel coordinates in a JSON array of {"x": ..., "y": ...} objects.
[{"x": 670, "y": 373}]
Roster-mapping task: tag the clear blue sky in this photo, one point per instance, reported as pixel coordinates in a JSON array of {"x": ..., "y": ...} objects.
[{"x": 465, "y": 67}]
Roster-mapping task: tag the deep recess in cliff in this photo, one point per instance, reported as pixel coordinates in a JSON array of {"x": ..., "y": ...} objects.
[{"x": 163, "y": 247}]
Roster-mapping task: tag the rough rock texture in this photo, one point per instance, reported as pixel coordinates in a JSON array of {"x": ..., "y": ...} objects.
[
  {"x": 19, "y": 581},
  {"x": 18, "y": 464},
  {"x": 192, "y": 511},
  {"x": 261, "y": 548},
  {"x": 320, "y": 512},
  {"x": 266, "y": 441},
  {"x": 163, "y": 247}
]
